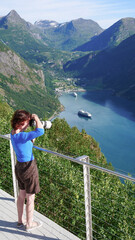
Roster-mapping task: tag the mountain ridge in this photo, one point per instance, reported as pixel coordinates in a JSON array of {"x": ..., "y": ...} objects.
[
  {"x": 67, "y": 35},
  {"x": 110, "y": 37},
  {"x": 12, "y": 18}
]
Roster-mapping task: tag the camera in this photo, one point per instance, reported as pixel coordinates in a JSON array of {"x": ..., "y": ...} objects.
[
  {"x": 46, "y": 124},
  {"x": 32, "y": 122}
]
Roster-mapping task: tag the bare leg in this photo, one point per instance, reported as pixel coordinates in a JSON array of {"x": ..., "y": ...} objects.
[
  {"x": 30, "y": 225},
  {"x": 30, "y": 209},
  {"x": 20, "y": 205}
]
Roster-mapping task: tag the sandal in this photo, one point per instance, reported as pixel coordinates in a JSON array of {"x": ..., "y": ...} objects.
[
  {"x": 19, "y": 225},
  {"x": 38, "y": 224}
]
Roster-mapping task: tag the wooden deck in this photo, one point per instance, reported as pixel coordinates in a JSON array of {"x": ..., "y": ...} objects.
[{"x": 8, "y": 221}]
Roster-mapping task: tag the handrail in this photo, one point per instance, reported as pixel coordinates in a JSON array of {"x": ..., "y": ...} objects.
[
  {"x": 79, "y": 160},
  {"x": 7, "y": 136}
]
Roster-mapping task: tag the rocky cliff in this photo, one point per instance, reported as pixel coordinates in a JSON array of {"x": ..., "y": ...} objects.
[{"x": 17, "y": 77}]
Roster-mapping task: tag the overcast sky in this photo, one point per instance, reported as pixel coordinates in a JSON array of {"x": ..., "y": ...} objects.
[{"x": 104, "y": 12}]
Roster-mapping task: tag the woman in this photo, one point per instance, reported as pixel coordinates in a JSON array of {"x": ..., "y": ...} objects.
[{"x": 26, "y": 168}]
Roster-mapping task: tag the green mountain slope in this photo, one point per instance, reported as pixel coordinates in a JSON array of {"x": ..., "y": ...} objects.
[
  {"x": 23, "y": 86},
  {"x": 111, "y": 37},
  {"x": 69, "y": 35},
  {"x": 26, "y": 40},
  {"x": 21, "y": 36},
  {"x": 109, "y": 69}
]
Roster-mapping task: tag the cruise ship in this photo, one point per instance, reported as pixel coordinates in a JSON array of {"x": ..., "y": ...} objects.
[
  {"x": 84, "y": 114},
  {"x": 74, "y": 94}
]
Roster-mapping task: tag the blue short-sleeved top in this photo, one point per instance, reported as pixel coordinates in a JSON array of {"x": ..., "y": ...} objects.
[{"x": 23, "y": 145}]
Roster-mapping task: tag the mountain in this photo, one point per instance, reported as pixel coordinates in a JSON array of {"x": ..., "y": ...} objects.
[
  {"x": 45, "y": 35},
  {"x": 66, "y": 36},
  {"x": 110, "y": 37},
  {"x": 109, "y": 69},
  {"x": 23, "y": 86},
  {"x": 11, "y": 18},
  {"x": 22, "y": 36},
  {"x": 27, "y": 40}
]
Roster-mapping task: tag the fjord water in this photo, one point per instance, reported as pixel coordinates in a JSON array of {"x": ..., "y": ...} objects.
[{"x": 112, "y": 124}]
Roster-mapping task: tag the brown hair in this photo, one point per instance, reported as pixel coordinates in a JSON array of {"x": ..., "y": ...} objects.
[{"x": 19, "y": 117}]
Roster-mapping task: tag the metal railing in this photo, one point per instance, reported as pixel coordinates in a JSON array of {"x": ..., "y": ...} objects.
[{"x": 94, "y": 229}]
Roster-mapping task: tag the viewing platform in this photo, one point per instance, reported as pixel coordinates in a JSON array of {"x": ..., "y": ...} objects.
[{"x": 8, "y": 222}]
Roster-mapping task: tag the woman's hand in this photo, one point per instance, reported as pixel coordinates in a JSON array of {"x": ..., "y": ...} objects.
[
  {"x": 34, "y": 116},
  {"x": 37, "y": 120}
]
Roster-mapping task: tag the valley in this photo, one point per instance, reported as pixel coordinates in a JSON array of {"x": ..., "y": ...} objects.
[{"x": 53, "y": 52}]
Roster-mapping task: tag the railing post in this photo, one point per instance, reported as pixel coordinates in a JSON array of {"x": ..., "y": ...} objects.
[
  {"x": 13, "y": 162},
  {"x": 87, "y": 193}
]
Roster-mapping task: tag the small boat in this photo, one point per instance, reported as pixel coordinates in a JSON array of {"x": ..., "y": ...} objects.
[
  {"x": 84, "y": 114},
  {"x": 74, "y": 94}
]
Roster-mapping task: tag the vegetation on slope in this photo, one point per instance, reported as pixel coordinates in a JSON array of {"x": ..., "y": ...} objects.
[{"x": 23, "y": 86}]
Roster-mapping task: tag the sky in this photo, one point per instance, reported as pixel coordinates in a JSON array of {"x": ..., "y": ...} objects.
[{"x": 104, "y": 12}]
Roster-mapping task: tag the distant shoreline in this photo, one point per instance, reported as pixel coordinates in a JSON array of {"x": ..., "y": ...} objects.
[
  {"x": 59, "y": 91},
  {"x": 61, "y": 109}
]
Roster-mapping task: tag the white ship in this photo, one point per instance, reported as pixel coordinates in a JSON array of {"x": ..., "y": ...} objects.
[
  {"x": 74, "y": 94},
  {"x": 84, "y": 114}
]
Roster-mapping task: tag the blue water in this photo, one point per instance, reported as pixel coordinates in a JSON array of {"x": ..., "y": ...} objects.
[{"x": 112, "y": 125}]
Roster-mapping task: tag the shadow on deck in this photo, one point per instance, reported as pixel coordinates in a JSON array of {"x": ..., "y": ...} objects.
[{"x": 8, "y": 221}]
